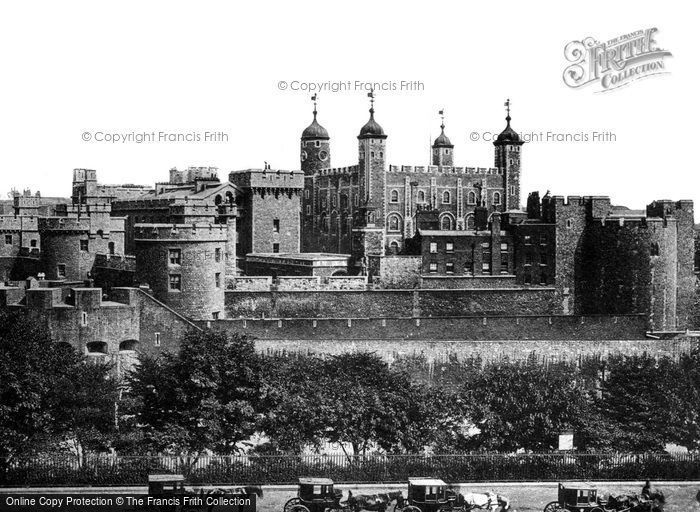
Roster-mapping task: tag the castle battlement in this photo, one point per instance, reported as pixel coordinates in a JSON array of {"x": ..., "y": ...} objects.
[
  {"x": 18, "y": 223},
  {"x": 267, "y": 178},
  {"x": 196, "y": 232},
  {"x": 336, "y": 171},
  {"x": 433, "y": 169},
  {"x": 64, "y": 224}
]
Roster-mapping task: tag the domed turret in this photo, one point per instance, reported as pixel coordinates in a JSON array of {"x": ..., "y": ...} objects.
[
  {"x": 371, "y": 129},
  {"x": 314, "y": 131},
  {"x": 508, "y": 136},
  {"x": 443, "y": 147}
]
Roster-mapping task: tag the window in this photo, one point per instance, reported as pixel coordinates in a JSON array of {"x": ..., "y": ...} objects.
[
  {"x": 528, "y": 259},
  {"x": 217, "y": 254},
  {"x": 33, "y": 243},
  {"x": 449, "y": 267},
  {"x": 449, "y": 247},
  {"x": 275, "y": 247},
  {"x": 654, "y": 249},
  {"x": 84, "y": 245},
  {"x": 432, "y": 267},
  {"x": 527, "y": 239},
  {"x": 543, "y": 238},
  {"x": 446, "y": 197},
  {"x": 215, "y": 315},
  {"x": 276, "y": 225},
  {"x": 543, "y": 279},
  {"x": 504, "y": 247},
  {"x": 394, "y": 196},
  {"x": 357, "y": 200},
  {"x": 433, "y": 247},
  {"x": 486, "y": 245},
  {"x": 504, "y": 263},
  {"x": 317, "y": 143},
  {"x": 308, "y": 210},
  {"x": 306, "y": 193},
  {"x": 527, "y": 279},
  {"x": 83, "y": 319},
  {"x": 175, "y": 282},
  {"x": 569, "y": 223},
  {"x": 110, "y": 247},
  {"x": 512, "y": 190},
  {"x": 217, "y": 279},
  {"x": 175, "y": 256},
  {"x": 156, "y": 341},
  {"x": 446, "y": 223},
  {"x": 421, "y": 196},
  {"x": 447, "y": 151},
  {"x": 394, "y": 223},
  {"x": 61, "y": 270},
  {"x": 8, "y": 239},
  {"x": 486, "y": 265},
  {"x": 471, "y": 198},
  {"x": 496, "y": 198},
  {"x": 394, "y": 247},
  {"x": 543, "y": 258}
]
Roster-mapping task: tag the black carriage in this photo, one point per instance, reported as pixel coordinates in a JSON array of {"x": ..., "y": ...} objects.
[
  {"x": 575, "y": 497},
  {"x": 584, "y": 498},
  {"x": 428, "y": 495},
  {"x": 316, "y": 495}
]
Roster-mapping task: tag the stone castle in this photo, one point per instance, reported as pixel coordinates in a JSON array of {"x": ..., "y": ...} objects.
[{"x": 436, "y": 259}]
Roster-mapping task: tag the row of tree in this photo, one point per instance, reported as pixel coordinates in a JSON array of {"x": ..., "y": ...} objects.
[{"x": 217, "y": 392}]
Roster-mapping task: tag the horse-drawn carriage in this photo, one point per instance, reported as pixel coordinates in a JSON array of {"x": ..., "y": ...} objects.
[
  {"x": 434, "y": 495},
  {"x": 584, "y": 498},
  {"x": 169, "y": 493},
  {"x": 316, "y": 495}
]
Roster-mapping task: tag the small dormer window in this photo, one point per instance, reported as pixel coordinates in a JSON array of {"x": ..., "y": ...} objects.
[{"x": 317, "y": 143}]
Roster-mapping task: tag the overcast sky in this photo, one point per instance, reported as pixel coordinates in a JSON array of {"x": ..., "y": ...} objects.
[{"x": 188, "y": 68}]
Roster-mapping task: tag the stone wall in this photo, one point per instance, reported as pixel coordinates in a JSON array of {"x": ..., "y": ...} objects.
[
  {"x": 387, "y": 303},
  {"x": 471, "y": 328}
]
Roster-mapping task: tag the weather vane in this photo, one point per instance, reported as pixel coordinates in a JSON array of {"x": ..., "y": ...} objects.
[
  {"x": 314, "y": 98},
  {"x": 442, "y": 118},
  {"x": 370, "y": 95},
  {"x": 507, "y": 105}
]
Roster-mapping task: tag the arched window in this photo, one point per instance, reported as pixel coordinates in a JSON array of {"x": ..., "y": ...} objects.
[
  {"x": 110, "y": 247},
  {"x": 217, "y": 199},
  {"x": 394, "y": 247},
  {"x": 98, "y": 348},
  {"x": 128, "y": 345},
  {"x": 471, "y": 197},
  {"x": 394, "y": 196},
  {"x": 394, "y": 223},
  {"x": 324, "y": 222},
  {"x": 446, "y": 197},
  {"x": 470, "y": 222},
  {"x": 421, "y": 196},
  {"x": 496, "y": 198},
  {"x": 446, "y": 222},
  {"x": 229, "y": 197}
]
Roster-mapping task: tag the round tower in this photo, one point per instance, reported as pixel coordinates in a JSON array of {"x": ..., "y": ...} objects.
[
  {"x": 184, "y": 266},
  {"x": 315, "y": 146},
  {"x": 443, "y": 149},
  {"x": 507, "y": 158}
]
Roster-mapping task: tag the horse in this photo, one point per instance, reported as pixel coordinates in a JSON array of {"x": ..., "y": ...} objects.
[
  {"x": 372, "y": 502},
  {"x": 483, "y": 501}
]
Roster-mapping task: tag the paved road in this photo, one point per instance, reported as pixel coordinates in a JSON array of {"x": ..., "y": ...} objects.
[{"x": 525, "y": 497}]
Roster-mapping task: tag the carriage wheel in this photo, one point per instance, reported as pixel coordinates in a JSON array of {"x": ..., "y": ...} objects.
[
  {"x": 411, "y": 508},
  {"x": 553, "y": 507},
  {"x": 291, "y": 503},
  {"x": 597, "y": 509},
  {"x": 299, "y": 508}
]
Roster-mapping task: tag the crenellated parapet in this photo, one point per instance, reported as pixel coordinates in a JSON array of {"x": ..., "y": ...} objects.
[
  {"x": 195, "y": 232},
  {"x": 435, "y": 169},
  {"x": 339, "y": 171}
]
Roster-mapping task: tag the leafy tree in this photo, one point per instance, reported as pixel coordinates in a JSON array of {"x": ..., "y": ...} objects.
[
  {"x": 648, "y": 402},
  {"x": 204, "y": 397},
  {"x": 525, "y": 405},
  {"x": 353, "y": 398},
  {"x": 48, "y": 393}
]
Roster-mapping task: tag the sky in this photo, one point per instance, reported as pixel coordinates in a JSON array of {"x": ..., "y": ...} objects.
[{"x": 86, "y": 70}]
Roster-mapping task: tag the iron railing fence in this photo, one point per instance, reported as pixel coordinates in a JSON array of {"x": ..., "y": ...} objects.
[{"x": 107, "y": 470}]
